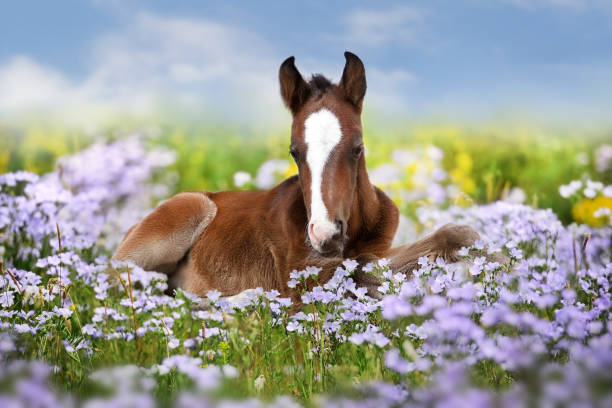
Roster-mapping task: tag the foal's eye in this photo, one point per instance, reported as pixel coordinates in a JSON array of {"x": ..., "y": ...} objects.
[
  {"x": 294, "y": 154},
  {"x": 357, "y": 150}
]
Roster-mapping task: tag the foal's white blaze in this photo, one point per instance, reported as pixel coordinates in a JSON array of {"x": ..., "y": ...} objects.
[{"x": 322, "y": 133}]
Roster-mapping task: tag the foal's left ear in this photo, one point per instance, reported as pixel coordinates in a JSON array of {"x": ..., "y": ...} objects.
[
  {"x": 353, "y": 82},
  {"x": 294, "y": 90}
]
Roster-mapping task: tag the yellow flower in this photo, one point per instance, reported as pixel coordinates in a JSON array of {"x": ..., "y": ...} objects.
[
  {"x": 464, "y": 162},
  {"x": 4, "y": 161},
  {"x": 461, "y": 173},
  {"x": 411, "y": 168},
  {"x": 463, "y": 180},
  {"x": 46, "y": 142},
  {"x": 224, "y": 347},
  {"x": 291, "y": 170},
  {"x": 463, "y": 200},
  {"x": 584, "y": 210}
]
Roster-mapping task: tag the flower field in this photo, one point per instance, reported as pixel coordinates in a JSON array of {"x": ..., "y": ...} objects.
[{"x": 523, "y": 320}]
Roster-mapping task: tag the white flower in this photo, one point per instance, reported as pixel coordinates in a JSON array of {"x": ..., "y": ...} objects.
[
  {"x": 62, "y": 311},
  {"x": 570, "y": 189},
  {"x": 582, "y": 158},
  {"x": 435, "y": 153},
  {"x": 213, "y": 295},
  {"x": 6, "y": 299},
  {"x": 210, "y": 331},
  {"x": 293, "y": 326},
  {"x": 241, "y": 178},
  {"x": 259, "y": 383},
  {"x": 603, "y": 158},
  {"x": 476, "y": 268},
  {"x": 350, "y": 264},
  {"x": 516, "y": 195},
  {"x": 22, "y": 328},
  {"x": 311, "y": 271},
  {"x": 173, "y": 343},
  {"x": 229, "y": 371},
  {"x": 589, "y": 192},
  {"x": 266, "y": 175},
  {"x": 163, "y": 370},
  {"x": 595, "y": 185},
  {"x": 69, "y": 348}
]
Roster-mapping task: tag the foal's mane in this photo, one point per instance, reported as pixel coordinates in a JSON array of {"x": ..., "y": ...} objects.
[{"x": 319, "y": 85}]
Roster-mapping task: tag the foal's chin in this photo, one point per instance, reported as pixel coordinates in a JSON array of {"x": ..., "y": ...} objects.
[{"x": 332, "y": 249}]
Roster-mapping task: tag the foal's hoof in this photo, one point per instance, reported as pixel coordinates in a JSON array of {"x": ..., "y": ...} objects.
[
  {"x": 368, "y": 281},
  {"x": 453, "y": 237},
  {"x": 202, "y": 305}
]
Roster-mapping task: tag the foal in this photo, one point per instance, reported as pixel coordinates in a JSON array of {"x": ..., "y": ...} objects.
[{"x": 235, "y": 240}]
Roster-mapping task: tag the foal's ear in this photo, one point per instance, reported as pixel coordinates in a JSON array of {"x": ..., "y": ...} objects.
[
  {"x": 353, "y": 82},
  {"x": 294, "y": 90}
]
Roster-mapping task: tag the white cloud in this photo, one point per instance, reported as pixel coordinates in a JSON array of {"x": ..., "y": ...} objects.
[
  {"x": 195, "y": 67},
  {"x": 387, "y": 90},
  {"x": 376, "y": 27},
  {"x": 196, "y": 63},
  {"x": 392, "y": 77},
  {"x": 26, "y": 84}
]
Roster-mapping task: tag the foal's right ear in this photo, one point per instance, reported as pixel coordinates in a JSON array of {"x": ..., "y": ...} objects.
[
  {"x": 294, "y": 90},
  {"x": 353, "y": 81}
]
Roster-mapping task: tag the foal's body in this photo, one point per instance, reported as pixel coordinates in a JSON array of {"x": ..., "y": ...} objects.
[
  {"x": 236, "y": 240},
  {"x": 254, "y": 238}
]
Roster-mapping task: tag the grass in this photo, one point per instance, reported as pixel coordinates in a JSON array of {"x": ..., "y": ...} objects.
[
  {"x": 271, "y": 360},
  {"x": 489, "y": 159}
]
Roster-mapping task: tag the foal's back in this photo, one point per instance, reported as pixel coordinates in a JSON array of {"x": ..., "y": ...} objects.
[{"x": 248, "y": 241}]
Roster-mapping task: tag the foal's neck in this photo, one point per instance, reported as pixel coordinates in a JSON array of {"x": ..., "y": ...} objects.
[{"x": 366, "y": 206}]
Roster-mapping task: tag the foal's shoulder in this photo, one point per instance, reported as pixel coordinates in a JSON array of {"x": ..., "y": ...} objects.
[
  {"x": 286, "y": 191},
  {"x": 291, "y": 183},
  {"x": 387, "y": 210},
  {"x": 384, "y": 200}
]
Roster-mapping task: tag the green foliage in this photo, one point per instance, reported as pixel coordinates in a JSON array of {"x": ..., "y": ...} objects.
[{"x": 489, "y": 160}]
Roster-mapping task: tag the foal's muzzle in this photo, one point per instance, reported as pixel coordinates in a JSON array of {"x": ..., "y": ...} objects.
[{"x": 327, "y": 238}]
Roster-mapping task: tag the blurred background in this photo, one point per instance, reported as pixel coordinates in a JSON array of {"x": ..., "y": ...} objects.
[{"x": 471, "y": 101}]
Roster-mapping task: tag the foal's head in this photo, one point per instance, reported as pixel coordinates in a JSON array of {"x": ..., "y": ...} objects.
[{"x": 327, "y": 146}]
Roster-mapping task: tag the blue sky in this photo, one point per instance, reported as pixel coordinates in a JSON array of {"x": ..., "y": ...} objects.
[{"x": 471, "y": 59}]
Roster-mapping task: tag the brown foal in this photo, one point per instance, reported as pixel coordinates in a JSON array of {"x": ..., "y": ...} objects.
[{"x": 236, "y": 240}]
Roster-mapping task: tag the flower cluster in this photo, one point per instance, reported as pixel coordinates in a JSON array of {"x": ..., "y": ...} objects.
[
  {"x": 523, "y": 319},
  {"x": 593, "y": 201},
  {"x": 90, "y": 199},
  {"x": 415, "y": 176}
]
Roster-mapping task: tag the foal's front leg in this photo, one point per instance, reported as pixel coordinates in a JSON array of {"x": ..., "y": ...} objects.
[
  {"x": 444, "y": 243},
  {"x": 328, "y": 268}
]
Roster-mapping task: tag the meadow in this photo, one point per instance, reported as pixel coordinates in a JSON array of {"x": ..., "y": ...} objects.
[{"x": 529, "y": 328}]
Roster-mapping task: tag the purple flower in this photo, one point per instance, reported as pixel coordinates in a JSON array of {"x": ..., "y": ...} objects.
[{"x": 213, "y": 295}]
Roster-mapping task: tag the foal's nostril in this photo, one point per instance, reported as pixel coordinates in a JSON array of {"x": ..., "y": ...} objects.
[
  {"x": 324, "y": 233},
  {"x": 327, "y": 237},
  {"x": 317, "y": 234},
  {"x": 311, "y": 232},
  {"x": 341, "y": 225}
]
